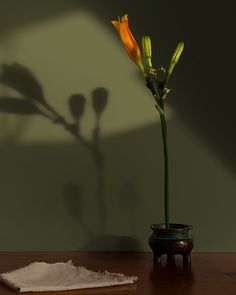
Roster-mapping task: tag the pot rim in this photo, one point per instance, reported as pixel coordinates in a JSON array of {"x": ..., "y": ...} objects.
[{"x": 177, "y": 227}]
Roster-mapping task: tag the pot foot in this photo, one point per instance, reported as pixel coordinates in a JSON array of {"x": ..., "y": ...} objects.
[
  {"x": 187, "y": 259},
  {"x": 171, "y": 259},
  {"x": 156, "y": 259}
]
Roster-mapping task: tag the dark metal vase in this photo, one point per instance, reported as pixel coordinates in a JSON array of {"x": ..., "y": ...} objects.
[{"x": 175, "y": 240}]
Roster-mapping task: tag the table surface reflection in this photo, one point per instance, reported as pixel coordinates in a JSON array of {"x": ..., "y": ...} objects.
[{"x": 210, "y": 273}]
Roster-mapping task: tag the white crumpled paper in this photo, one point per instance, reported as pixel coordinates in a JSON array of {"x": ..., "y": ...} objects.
[{"x": 41, "y": 276}]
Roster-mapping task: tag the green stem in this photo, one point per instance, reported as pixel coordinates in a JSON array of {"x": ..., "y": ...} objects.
[
  {"x": 166, "y": 187},
  {"x": 152, "y": 84}
]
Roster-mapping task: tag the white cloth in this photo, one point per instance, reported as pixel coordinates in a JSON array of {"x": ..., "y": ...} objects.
[{"x": 41, "y": 276}]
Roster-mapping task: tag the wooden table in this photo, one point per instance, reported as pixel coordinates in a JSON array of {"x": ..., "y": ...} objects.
[{"x": 210, "y": 274}]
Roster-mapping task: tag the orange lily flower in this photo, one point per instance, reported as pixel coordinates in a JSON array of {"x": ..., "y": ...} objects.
[{"x": 130, "y": 44}]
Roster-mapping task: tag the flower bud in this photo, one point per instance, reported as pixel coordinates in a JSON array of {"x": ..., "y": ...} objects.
[
  {"x": 147, "y": 50},
  {"x": 175, "y": 57}
]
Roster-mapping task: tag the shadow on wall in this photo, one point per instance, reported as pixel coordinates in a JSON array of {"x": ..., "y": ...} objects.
[
  {"x": 207, "y": 102},
  {"x": 31, "y": 101},
  {"x": 116, "y": 205},
  {"x": 206, "y": 108},
  {"x": 95, "y": 242}
]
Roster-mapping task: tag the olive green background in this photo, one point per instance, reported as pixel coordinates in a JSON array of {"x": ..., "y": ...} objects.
[{"x": 48, "y": 181}]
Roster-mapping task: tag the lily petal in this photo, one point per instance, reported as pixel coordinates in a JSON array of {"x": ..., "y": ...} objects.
[{"x": 127, "y": 38}]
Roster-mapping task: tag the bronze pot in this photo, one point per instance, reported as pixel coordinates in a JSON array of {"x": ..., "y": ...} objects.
[{"x": 177, "y": 239}]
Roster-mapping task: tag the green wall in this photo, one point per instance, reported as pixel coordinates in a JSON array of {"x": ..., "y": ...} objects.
[{"x": 54, "y": 196}]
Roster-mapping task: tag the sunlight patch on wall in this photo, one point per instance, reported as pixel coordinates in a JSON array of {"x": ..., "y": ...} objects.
[{"x": 76, "y": 54}]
